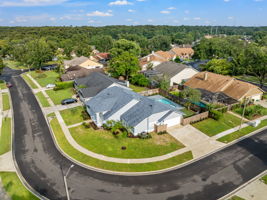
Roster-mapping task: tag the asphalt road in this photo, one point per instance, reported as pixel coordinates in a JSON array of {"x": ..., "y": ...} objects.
[{"x": 208, "y": 179}]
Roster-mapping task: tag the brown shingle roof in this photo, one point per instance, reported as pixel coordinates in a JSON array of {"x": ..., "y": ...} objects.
[
  {"x": 226, "y": 84},
  {"x": 165, "y": 54},
  {"x": 182, "y": 51}
]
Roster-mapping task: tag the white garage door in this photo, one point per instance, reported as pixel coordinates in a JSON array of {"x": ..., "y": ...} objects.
[{"x": 173, "y": 122}]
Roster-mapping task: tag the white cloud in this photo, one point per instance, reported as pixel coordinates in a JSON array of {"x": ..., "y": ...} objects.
[
  {"x": 165, "y": 12},
  {"x": 187, "y": 12},
  {"x": 99, "y": 14},
  {"x": 197, "y": 18},
  {"x": 129, "y": 20},
  {"x": 226, "y": 0},
  {"x": 28, "y": 3},
  {"x": 140, "y": 0},
  {"x": 150, "y": 20},
  {"x": 258, "y": 0},
  {"x": 34, "y": 18},
  {"x": 230, "y": 18},
  {"x": 120, "y": 3},
  {"x": 171, "y": 8},
  {"x": 131, "y": 10}
]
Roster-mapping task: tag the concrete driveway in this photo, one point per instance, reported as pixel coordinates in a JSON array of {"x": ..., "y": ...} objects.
[
  {"x": 263, "y": 103},
  {"x": 199, "y": 143}
]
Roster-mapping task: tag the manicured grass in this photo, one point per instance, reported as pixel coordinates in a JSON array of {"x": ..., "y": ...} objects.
[
  {"x": 3, "y": 86},
  {"x": 137, "y": 88},
  {"x": 44, "y": 78},
  {"x": 244, "y": 131},
  {"x": 105, "y": 143},
  {"x": 264, "y": 179},
  {"x": 236, "y": 198},
  {"x": 5, "y": 137},
  {"x": 29, "y": 81},
  {"x": 252, "y": 111},
  {"x": 42, "y": 99},
  {"x": 59, "y": 95},
  {"x": 212, "y": 127},
  {"x": 188, "y": 113},
  {"x": 14, "y": 64},
  {"x": 14, "y": 188},
  {"x": 6, "y": 103},
  {"x": 77, "y": 155},
  {"x": 73, "y": 115}
]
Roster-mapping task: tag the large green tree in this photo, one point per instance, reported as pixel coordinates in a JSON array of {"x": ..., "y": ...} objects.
[
  {"x": 123, "y": 45},
  {"x": 2, "y": 66},
  {"x": 126, "y": 64},
  {"x": 255, "y": 62},
  {"x": 103, "y": 43},
  {"x": 218, "y": 66}
]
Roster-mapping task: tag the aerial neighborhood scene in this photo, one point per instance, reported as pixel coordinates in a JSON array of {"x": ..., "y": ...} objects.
[{"x": 133, "y": 99}]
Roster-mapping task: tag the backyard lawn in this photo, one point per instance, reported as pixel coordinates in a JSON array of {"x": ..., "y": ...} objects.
[
  {"x": 138, "y": 88},
  {"x": 45, "y": 78},
  {"x": 77, "y": 155},
  {"x": 44, "y": 102},
  {"x": 244, "y": 131},
  {"x": 29, "y": 81},
  {"x": 212, "y": 127},
  {"x": 188, "y": 113},
  {"x": 59, "y": 95},
  {"x": 73, "y": 115},
  {"x": 14, "y": 188},
  {"x": 252, "y": 111},
  {"x": 105, "y": 143},
  {"x": 6, "y": 103},
  {"x": 5, "y": 138}
]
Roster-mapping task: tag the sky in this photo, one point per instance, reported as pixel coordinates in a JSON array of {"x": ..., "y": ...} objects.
[{"x": 133, "y": 12}]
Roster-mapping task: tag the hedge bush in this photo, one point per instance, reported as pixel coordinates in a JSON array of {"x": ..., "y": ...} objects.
[
  {"x": 217, "y": 115},
  {"x": 63, "y": 85}
]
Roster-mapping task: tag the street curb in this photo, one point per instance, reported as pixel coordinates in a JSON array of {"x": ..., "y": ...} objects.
[
  {"x": 229, "y": 195},
  {"x": 18, "y": 172}
]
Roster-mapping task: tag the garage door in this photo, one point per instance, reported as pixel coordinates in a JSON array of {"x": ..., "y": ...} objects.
[{"x": 173, "y": 122}]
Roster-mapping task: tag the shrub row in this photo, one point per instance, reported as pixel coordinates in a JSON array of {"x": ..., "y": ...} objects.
[
  {"x": 63, "y": 85},
  {"x": 214, "y": 114}
]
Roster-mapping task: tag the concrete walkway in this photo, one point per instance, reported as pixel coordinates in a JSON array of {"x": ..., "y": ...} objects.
[
  {"x": 257, "y": 190},
  {"x": 199, "y": 143},
  {"x": 6, "y": 163}
]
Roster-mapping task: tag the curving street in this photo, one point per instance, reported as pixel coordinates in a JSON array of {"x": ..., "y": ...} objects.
[{"x": 40, "y": 164}]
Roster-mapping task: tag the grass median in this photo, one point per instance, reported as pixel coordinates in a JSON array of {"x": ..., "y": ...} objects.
[
  {"x": 14, "y": 188},
  {"x": 29, "y": 81},
  {"x": 244, "y": 131},
  {"x": 6, "y": 103},
  {"x": 45, "y": 77},
  {"x": 5, "y": 137},
  {"x": 44, "y": 102},
  {"x": 90, "y": 161}
]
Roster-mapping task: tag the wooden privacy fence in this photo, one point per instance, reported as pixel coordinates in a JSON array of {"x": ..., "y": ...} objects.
[
  {"x": 195, "y": 118},
  {"x": 150, "y": 92}
]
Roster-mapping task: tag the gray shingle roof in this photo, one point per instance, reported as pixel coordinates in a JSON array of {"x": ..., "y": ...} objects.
[
  {"x": 76, "y": 61},
  {"x": 170, "y": 69},
  {"x": 94, "y": 83}
]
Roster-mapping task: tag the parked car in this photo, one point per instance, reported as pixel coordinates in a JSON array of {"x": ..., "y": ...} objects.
[
  {"x": 49, "y": 67},
  {"x": 68, "y": 101},
  {"x": 9, "y": 85},
  {"x": 50, "y": 86}
]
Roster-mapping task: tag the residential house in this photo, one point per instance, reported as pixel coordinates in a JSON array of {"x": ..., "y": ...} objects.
[
  {"x": 216, "y": 84},
  {"x": 82, "y": 62},
  {"x": 78, "y": 72},
  {"x": 153, "y": 59},
  {"x": 138, "y": 112},
  {"x": 102, "y": 58},
  {"x": 174, "y": 72},
  {"x": 89, "y": 86}
]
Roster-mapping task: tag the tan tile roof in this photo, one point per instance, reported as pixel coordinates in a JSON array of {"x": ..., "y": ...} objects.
[
  {"x": 182, "y": 51},
  {"x": 150, "y": 58},
  {"x": 165, "y": 54},
  {"x": 226, "y": 84}
]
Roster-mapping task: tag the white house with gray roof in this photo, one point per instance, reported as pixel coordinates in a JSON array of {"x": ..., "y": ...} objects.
[{"x": 135, "y": 111}]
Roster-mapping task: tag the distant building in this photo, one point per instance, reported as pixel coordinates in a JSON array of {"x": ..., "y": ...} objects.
[{"x": 82, "y": 62}]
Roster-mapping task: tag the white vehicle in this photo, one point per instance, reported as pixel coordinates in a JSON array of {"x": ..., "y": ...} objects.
[{"x": 50, "y": 86}]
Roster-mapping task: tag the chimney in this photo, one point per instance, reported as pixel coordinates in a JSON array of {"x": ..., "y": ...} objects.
[
  {"x": 153, "y": 52},
  {"x": 148, "y": 58},
  {"x": 206, "y": 76}
]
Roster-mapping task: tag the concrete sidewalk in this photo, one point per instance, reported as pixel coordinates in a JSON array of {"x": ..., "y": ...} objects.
[{"x": 6, "y": 163}]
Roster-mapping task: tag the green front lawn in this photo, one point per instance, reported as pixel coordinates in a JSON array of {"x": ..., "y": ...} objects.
[
  {"x": 138, "y": 88},
  {"x": 212, "y": 127},
  {"x": 59, "y": 95},
  {"x": 44, "y": 102},
  {"x": 14, "y": 64},
  {"x": 105, "y": 143},
  {"x": 14, "y": 188},
  {"x": 188, "y": 113},
  {"x": 73, "y": 115},
  {"x": 244, "y": 131},
  {"x": 6, "y": 103},
  {"x": 264, "y": 179},
  {"x": 3, "y": 86},
  {"x": 252, "y": 111},
  {"x": 236, "y": 198},
  {"x": 29, "y": 81},
  {"x": 5, "y": 137},
  {"x": 77, "y": 155},
  {"x": 45, "y": 77}
]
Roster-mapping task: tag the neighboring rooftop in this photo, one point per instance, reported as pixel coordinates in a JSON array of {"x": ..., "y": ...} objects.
[
  {"x": 218, "y": 83},
  {"x": 76, "y": 61}
]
